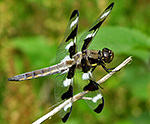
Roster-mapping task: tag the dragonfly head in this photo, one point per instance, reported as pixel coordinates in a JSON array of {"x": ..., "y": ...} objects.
[{"x": 107, "y": 55}]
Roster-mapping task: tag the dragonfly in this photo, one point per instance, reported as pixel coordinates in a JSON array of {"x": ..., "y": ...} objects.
[{"x": 76, "y": 60}]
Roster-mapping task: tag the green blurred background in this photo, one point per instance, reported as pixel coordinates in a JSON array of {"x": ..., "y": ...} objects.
[{"x": 30, "y": 32}]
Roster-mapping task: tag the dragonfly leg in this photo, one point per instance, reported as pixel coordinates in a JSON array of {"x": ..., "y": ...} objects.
[{"x": 108, "y": 69}]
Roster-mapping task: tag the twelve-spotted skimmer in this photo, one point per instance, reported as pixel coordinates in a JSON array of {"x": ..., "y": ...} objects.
[{"x": 70, "y": 61}]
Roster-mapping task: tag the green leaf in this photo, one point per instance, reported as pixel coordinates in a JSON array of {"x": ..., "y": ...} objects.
[{"x": 38, "y": 49}]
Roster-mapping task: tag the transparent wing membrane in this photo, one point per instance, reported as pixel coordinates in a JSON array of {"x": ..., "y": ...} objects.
[
  {"x": 66, "y": 49},
  {"x": 88, "y": 36},
  {"x": 64, "y": 90},
  {"x": 59, "y": 91},
  {"x": 68, "y": 45},
  {"x": 94, "y": 98}
]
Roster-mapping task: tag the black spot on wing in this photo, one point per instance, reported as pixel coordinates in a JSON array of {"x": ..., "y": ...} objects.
[
  {"x": 85, "y": 64},
  {"x": 73, "y": 34},
  {"x": 65, "y": 118},
  {"x": 72, "y": 50},
  {"x": 97, "y": 26},
  {"x": 92, "y": 86},
  {"x": 100, "y": 107},
  {"x": 74, "y": 13},
  {"x": 110, "y": 6},
  {"x": 86, "y": 43},
  {"x": 68, "y": 94},
  {"x": 71, "y": 71}
]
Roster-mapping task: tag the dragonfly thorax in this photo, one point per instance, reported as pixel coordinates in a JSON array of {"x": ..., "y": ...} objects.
[
  {"x": 94, "y": 57},
  {"x": 97, "y": 57},
  {"x": 91, "y": 55}
]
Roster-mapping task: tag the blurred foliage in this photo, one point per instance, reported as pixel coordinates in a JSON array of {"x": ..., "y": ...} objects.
[{"x": 30, "y": 32}]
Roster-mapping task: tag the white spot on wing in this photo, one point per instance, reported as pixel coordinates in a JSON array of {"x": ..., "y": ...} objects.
[
  {"x": 66, "y": 58},
  {"x": 74, "y": 40},
  {"x": 94, "y": 33},
  {"x": 99, "y": 96},
  {"x": 89, "y": 35},
  {"x": 105, "y": 14},
  {"x": 74, "y": 22},
  {"x": 69, "y": 45},
  {"x": 67, "y": 106},
  {"x": 67, "y": 82},
  {"x": 85, "y": 76}
]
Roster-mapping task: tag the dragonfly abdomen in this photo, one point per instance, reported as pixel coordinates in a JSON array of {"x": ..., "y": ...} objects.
[{"x": 58, "y": 68}]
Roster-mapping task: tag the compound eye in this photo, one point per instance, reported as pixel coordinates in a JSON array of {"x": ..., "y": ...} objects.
[{"x": 108, "y": 55}]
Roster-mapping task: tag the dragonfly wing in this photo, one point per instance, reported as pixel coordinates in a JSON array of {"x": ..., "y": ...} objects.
[
  {"x": 64, "y": 90},
  {"x": 94, "y": 98},
  {"x": 67, "y": 47},
  {"x": 88, "y": 36},
  {"x": 65, "y": 51},
  {"x": 58, "y": 91}
]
